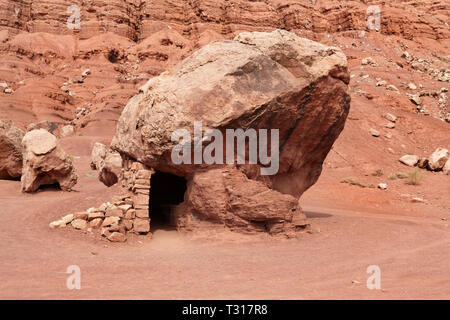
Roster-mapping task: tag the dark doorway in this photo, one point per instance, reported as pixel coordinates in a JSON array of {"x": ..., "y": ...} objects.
[{"x": 166, "y": 191}]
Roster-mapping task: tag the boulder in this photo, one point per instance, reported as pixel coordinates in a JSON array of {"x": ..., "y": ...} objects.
[
  {"x": 409, "y": 160},
  {"x": 45, "y": 162},
  {"x": 98, "y": 155},
  {"x": 260, "y": 81},
  {"x": 10, "y": 150},
  {"x": 110, "y": 169},
  {"x": 437, "y": 159},
  {"x": 446, "y": 168}
]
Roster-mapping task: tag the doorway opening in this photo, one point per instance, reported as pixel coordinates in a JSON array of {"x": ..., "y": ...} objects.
[{"x": 166, "y": 192}]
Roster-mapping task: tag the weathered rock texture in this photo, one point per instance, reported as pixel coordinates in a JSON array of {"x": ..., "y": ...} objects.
[
  {"x": 10, "y": 150},
  {"x": 260, "y": 81},
  {"x": 107, "y": 162},
  {"x": 45, "y": 162}
]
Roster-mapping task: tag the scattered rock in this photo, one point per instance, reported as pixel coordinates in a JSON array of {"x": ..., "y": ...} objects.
[
  {"x": 57, "y": 224},
  {"x": 45, "y": 162},
  {"x": 415, "y": 98},
  {"x": 390, "y": 117},
  {"x": 412, "y": 86},
  {"x": 390, "y": 125},
  {"x": 417, "y": 199},
  {"x": 368, "y": 61},
  {"x": 86, "y": 73},
  {"x": 382, "y": 186},
  {"x": 391, "y": 87},
  {"x": 374, "y": 132}
]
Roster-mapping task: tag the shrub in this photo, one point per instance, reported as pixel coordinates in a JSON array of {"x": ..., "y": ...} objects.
[
  {"x": 414, "y": 177},
  {"x": 402, "y": 175},
  {"x": 353, "y": 181},
  {"x": 378, "y": 173}
]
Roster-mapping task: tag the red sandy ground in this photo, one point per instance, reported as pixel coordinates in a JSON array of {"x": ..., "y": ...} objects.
[
  {"x": 352, "y": 227},
  {"x": 409, "y": 242}
]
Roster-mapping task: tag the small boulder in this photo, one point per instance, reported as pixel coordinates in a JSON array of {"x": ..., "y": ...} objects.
[
  {"x": 57, "y": 224},
  {"x": 374, "y": 132},
  {"x": 409, "y": 160},
  {"x": 45, "y": 162},
  {"x": 110, "y": 169},
  {"x": 98, "y": 155},
  {"x": 390, "y": 117},
  {"x": 10, "y": 150},
  {"x": 438, "y": 159},
  {"x": 446, "y": 168},
  {"x": 382, "y": 186}
]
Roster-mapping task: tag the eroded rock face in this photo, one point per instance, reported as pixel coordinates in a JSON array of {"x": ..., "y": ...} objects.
[
  {"x": 45, "y": 162},
  {"x": 257, "y": 81},
  {"x": 227, "y": 195},
  {"x": 10, "y": 150}
]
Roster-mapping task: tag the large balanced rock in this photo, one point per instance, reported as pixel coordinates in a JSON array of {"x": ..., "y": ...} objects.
[
  {"x": 45, "y": 162},
  {"x": 273, "y": 81},
  {"x": 10, "y": 150}
]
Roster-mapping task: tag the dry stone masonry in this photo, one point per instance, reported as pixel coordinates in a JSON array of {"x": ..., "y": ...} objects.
[{"x": 113, "y": 220}]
